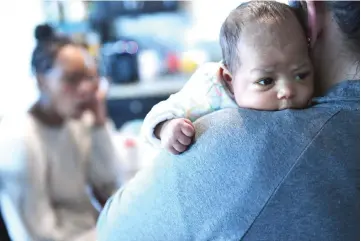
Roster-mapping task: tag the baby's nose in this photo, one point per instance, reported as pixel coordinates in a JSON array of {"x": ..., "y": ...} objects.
[{"x": 285, "y": 91}]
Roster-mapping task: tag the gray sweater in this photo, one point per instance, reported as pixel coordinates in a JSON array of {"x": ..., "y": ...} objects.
[{"x": 252, "y": 175}]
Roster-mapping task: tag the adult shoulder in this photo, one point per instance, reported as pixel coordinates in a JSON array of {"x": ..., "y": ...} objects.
[
  {"x": 272, "y": 174},
  {"x": 220, "y": 185}
]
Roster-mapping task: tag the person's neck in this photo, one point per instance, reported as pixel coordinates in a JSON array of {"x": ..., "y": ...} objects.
[
  {"x": 338, "y": 62},
  {"x": 46, "y": 115},
  {"x": 340, "y": 69}
]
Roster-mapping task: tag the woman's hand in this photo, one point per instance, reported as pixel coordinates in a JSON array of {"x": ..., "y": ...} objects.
[{"x": 97, "y": 105}]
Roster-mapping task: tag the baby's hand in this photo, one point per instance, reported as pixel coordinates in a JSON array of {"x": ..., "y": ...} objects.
[{"x": 176, "y": 135}]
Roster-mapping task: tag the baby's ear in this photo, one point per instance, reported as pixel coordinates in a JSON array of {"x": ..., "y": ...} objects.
[{"x": 226, "y": 77}]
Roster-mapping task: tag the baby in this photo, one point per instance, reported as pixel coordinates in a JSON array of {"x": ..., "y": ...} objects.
[{"x": 265, "y": 66}]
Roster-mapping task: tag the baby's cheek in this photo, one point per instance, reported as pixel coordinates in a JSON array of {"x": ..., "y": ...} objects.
[
  {"x": 307, "y": 92},
  {"x": 257, "y": 100}
]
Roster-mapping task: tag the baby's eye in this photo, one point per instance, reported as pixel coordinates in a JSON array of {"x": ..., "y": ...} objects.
[
  {"x": 301, "y": 76},
  {"x": 265, "y": 81}
]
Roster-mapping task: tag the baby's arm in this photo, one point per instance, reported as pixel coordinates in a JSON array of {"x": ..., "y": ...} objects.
[{"x": 169, "y": 124}]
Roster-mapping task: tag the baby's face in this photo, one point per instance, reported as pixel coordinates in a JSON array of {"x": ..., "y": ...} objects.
[{"x": 275, "y": 70}]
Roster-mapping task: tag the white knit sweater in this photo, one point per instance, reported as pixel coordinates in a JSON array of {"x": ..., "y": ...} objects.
[{"x": 45, "y": 174}]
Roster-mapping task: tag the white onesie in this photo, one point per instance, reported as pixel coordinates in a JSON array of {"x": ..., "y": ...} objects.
[{"x": 204, "y": 93}]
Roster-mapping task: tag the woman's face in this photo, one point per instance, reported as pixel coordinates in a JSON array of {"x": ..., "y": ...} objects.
[{"x": 71, "y": 85}]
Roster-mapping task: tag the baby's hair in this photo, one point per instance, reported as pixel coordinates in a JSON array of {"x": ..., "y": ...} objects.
[{"x": 261, "y": 11}]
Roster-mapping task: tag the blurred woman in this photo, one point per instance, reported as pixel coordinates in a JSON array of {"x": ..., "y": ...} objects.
[{"x": 52, "y": 154}]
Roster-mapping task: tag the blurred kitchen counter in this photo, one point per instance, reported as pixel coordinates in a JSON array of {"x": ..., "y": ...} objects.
[
  {"x": 127, "y": 102},
  {"x": 162, "y": 86}
]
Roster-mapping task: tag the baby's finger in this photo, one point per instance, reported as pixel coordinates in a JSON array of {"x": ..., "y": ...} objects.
[
  {"x": 184, "y": 140},
  {"x": 179, "y": 147},
  {"x": 188, "y": 129},
  {"x": 173, "y": 151},
  {"x": 188, "y": 121}
]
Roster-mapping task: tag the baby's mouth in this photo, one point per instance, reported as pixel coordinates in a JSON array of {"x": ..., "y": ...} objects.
[{"x": 285, "y": 105}]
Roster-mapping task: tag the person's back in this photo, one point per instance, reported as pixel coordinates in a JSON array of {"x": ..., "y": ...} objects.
[
  {"x": 297, "y": 180},
  {"x": 318, "y": 199}
]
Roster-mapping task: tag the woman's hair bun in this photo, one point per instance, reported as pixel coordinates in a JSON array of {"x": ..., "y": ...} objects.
[{"x": 44, "y": 32}]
